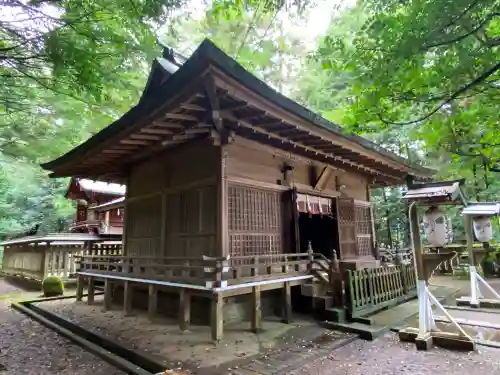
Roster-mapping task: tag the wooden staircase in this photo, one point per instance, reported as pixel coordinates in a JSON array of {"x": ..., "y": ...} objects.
[{"x": 325, "y": 289}]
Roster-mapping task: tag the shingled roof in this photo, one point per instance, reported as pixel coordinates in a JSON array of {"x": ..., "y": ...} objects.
[{"x": 187, "y": 100}]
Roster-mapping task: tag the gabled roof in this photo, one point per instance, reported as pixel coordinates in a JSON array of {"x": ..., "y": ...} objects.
[
  {"x": 210, "y": 91},
  {"x": 161, "y": 69},
  {"x": 442, "y": 192}
]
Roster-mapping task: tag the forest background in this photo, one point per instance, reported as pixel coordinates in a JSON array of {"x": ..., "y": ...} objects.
[{"x": 419, "y": 78}]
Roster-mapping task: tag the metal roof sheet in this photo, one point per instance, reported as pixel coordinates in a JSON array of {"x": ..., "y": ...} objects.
[
  {"x": 59, "y": 237},
  {"x": 102, "y": 187},
  {"x": 482, "y": 209}
]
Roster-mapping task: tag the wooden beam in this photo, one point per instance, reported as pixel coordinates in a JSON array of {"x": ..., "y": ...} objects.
[
  {"x": 133, "y": 142},
  {"x": 234, "y": 107},
  {"x": 239, "y": 92},
  {"x": 306, "y": 148},
  {"x": 115, "y": 151},
  {"x": 211, "y": 91},
  {"x": 181, "y": 116},
  {"x": 145, "y": 137},
  {"x": 196, "y": 130},
  {"x": 184, "y": 309},
  {"x": 165, "y": 124},
  {"x": 323, "y": 178},
  {"x": 156, "y": 131},
  {"x": 193, "y": 107}
]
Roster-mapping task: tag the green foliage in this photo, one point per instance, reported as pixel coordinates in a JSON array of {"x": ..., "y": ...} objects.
[
  {"x": 28, "y": 198},
  {"x": 52, "y": 286},
  {"x": 421, "y": 79},
  {"x": 69, "y": 68}
]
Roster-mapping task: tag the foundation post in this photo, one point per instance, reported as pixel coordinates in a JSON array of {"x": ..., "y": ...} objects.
[
  {"x": 217, "y": 317},
  {"x": 79, "y": 287},
  {"x": 256, "y": 309},
  {"x": 184, "y": 309},
  {"x": 152, "y": 300},
  {"x": 287, "y": 302},
  {"x": 127, "y": 298},
  {"x": 108, "y": 294},
  {"x": 91, "y": 291}
]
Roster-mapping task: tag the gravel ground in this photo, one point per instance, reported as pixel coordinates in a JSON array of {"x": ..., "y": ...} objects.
[
  {"x": 26, "y": 347},
  {"x": 387, "y": 356}
]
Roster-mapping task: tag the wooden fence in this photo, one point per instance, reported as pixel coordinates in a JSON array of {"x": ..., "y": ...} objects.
[
  {"x": 38, "y": 261},
  {"x": 371, "y": 290}
]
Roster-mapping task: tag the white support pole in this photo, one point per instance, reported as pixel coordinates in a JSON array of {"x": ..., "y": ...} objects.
[
  {"x": 478, "y": 277},
  {"x": 446, "y": 313},
  {"x": 423, "y": 309},
  {"x": 474, "y": 300}
]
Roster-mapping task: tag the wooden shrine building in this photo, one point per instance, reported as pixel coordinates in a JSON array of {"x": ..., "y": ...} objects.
[
  {"x": 228, "y": 182},
  {"x": 99, "y": 206},
  {"x": 97, "y": 229}
]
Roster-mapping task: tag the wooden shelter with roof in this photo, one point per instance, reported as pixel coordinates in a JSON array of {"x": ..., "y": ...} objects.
[
  {"x": 99, "y": 206},
  {"x": 229, "y": 184}
]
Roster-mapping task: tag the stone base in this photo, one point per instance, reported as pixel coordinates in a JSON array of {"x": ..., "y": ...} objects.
[
  {"x": 482, "y": 302},
  {"x": 445, "y": 340},
  {"x": 424, "y": 343}
]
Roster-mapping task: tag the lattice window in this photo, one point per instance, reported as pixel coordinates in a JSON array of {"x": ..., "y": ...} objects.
[
  {"x": 254, "y": 221},
  {"x": 364, "y": 230},
  {"x": 363, "y": 220},
  {"x": 347, "y": 228}
]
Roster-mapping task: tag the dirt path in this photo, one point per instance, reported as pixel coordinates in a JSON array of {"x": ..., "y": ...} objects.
[
  {"x": 26, "y": 347},
  {"x": 387, "y": 356}
]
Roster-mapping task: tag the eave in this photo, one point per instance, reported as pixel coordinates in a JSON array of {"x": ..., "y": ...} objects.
[{"x": 182, "y": 109}]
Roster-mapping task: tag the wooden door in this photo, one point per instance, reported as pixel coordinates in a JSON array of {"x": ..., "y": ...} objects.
[{"x": 346, "y": 224}]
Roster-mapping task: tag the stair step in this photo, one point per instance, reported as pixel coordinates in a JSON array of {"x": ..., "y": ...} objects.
[{"x": 365, "y": 331}]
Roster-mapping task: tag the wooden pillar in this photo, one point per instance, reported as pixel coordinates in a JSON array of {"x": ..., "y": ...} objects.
[
  {"x": 45, "y": 260},
  {"x": 65, "y": 270},
  {"x": 256, "y": 309},
  {"x": 127, "y": 298},
  {"x": 287, "y": 302},
  {"x": 108, "y": 294},
  {"x": 469, "y": 236},
  {"x": 91, "y": 291},
  {"x": 223, "y": 233},
  {"x": 184, "y": 309},
  {"x": 163, "y": 233},
  {"x": 152, "y": 300},
  {"x": 417, "y": 242},
  {"x": 474, "y": 287},
  {"x": 217, "y": 317},
  {"x": 79, "y": 287},
  {"x": 423, "y": 340}
]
